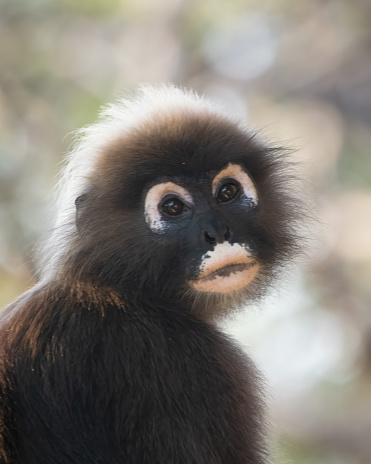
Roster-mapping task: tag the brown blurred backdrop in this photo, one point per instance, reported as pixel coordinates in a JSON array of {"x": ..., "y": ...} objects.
[{"x": 301, "y": 71}]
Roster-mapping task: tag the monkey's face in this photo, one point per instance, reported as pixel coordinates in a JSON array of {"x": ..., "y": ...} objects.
[
  {"x": 210, "y": 218},
  {"x": 186, "y": 209}
]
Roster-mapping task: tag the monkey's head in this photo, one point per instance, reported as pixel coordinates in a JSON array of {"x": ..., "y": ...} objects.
[{"x": 169, "y": 200}]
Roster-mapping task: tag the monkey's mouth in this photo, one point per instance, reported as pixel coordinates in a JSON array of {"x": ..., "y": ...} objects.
[
  {"x": 227, "y": 278},
  {"x": 227, "y": 270}
]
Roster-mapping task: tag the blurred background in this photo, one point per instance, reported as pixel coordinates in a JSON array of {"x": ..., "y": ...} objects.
[{"x": 298, "y": 71}]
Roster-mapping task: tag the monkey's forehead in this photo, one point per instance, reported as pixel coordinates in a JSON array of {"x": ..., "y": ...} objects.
[{"x": 178, "y": 144}]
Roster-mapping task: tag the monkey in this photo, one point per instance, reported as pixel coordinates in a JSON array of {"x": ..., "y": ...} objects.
[{"x": 171, "y": 214}]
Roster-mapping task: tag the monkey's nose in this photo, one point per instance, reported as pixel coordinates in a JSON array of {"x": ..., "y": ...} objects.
[{"x": 215, "y": 235}]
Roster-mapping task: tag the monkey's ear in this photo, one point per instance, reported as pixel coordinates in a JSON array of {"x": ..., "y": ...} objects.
[
  {"x": 80, "y": 204},
  {"x": 80, "y": 199}
]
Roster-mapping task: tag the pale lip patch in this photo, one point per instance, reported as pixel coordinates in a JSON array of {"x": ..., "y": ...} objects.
[{"x": 225, "y": 269}]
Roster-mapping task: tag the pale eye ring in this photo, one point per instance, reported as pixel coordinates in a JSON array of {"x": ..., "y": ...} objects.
[{"x": 228, "y": 191}]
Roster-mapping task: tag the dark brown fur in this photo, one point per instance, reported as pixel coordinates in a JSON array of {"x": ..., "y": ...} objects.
[{"x": 111, "y": 358}]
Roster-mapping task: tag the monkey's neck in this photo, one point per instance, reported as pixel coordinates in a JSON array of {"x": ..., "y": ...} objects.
[
  {"x": 94, "y": 294},
  {"x": 90, "y": 294}
]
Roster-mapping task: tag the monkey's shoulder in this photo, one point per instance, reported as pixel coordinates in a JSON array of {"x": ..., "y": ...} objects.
[
  {"x": 97, "y": 325},
  {"x": 146, "y": 368},
  {"x": 52, "y": 342}
]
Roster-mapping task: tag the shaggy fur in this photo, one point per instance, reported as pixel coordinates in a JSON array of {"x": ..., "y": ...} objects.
[{"x": 112, "y": 357}]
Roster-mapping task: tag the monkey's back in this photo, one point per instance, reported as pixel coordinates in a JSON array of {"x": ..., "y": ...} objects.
[{"x": 131, "y": 385}]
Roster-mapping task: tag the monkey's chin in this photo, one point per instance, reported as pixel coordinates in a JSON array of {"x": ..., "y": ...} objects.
[{"x": 227, "y": 278}]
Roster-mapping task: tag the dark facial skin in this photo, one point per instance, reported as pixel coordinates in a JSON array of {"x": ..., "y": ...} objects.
[{"x": 194, "y": 228}]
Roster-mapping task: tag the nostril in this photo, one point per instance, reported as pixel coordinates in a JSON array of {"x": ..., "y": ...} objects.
[
  {"x": 227, "y": 234},
  {"x": 209, "y": 238}
]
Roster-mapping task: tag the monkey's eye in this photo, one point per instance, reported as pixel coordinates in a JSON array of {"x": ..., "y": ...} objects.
[
  {"x": 227, "y": 192},
  {"x": 173, "y": 206}
]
